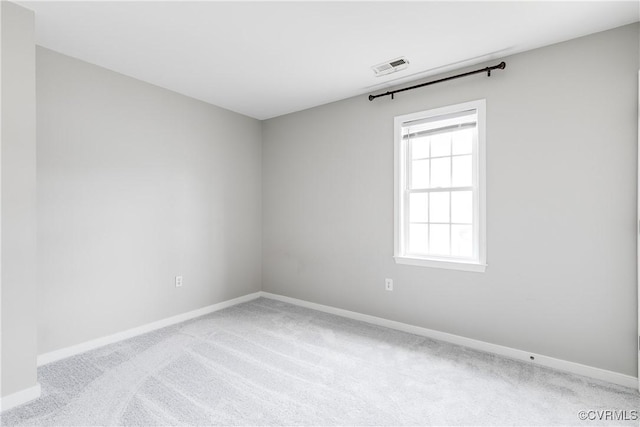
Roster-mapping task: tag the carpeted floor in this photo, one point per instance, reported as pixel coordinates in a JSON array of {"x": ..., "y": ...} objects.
[{"x": 270, "y": 363}]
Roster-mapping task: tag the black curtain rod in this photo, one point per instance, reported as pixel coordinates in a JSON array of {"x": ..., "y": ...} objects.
[{"x": 487, "y": 70}]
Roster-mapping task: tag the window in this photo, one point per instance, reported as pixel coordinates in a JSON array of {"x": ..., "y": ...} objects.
[{"x": 440, "y": 187}]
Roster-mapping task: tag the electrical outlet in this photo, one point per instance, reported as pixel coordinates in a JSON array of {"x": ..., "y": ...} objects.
[
  {"x": 388, "y": 284},
  {"x": 178, "y": 281}
]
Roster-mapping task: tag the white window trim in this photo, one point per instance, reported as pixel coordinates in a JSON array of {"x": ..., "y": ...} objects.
[{"x": 464, "y": 265}]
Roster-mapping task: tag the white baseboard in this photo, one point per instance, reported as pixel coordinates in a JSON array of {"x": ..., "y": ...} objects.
[
  {"x": 551, "y": 362},
  {"x": 73, "y": 350},
  {"x": 20, "y": 398}
]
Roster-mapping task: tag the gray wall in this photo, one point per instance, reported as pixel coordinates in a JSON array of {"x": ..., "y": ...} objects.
[
  {"x": 136, "y": 185},
  {"x": 561, "y": 171},
  {"x": 18, "y": 223}
]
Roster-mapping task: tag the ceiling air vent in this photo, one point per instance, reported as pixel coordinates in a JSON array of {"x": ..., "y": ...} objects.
[{"x": 390, "y": 66}]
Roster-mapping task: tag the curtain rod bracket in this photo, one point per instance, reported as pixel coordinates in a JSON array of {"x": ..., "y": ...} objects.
[{"x": 500, "y": 66}]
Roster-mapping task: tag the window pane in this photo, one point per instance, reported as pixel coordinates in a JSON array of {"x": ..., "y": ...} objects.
[
  {"x": 439, "y": 239},
  {"x": 462, "y": 207},
  {"x": 418, "y": 238},
  {"x": 439, "y": 207},
  {"x": 461, "y": 241},
  {"x": 439, "y": 186},
  {"x": 462, "y": 171},
  {"x": 418, "y": 207},
  {"x": 441, "y": 144},
  {"x": 462, "y": 141},
  {"x": 441, "y": 172},
  {"x": 420, "y": 174},
  {"x": 420, "y": 148}
]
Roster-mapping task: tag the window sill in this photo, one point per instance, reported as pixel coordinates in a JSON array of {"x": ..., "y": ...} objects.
[{"x": 449, "y": 265}]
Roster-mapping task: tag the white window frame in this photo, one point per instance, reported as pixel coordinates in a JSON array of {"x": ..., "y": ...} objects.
[{"x": 402, "y": 167}]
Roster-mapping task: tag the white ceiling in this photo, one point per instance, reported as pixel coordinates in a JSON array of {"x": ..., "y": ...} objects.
[{"x": 265, "y": 59}]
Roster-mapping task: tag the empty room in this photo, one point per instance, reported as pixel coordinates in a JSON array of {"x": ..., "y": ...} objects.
[{"x": 307, "y": 213}]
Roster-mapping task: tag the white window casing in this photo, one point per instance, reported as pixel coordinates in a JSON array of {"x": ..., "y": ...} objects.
[{"x": 440, "y": 187}]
